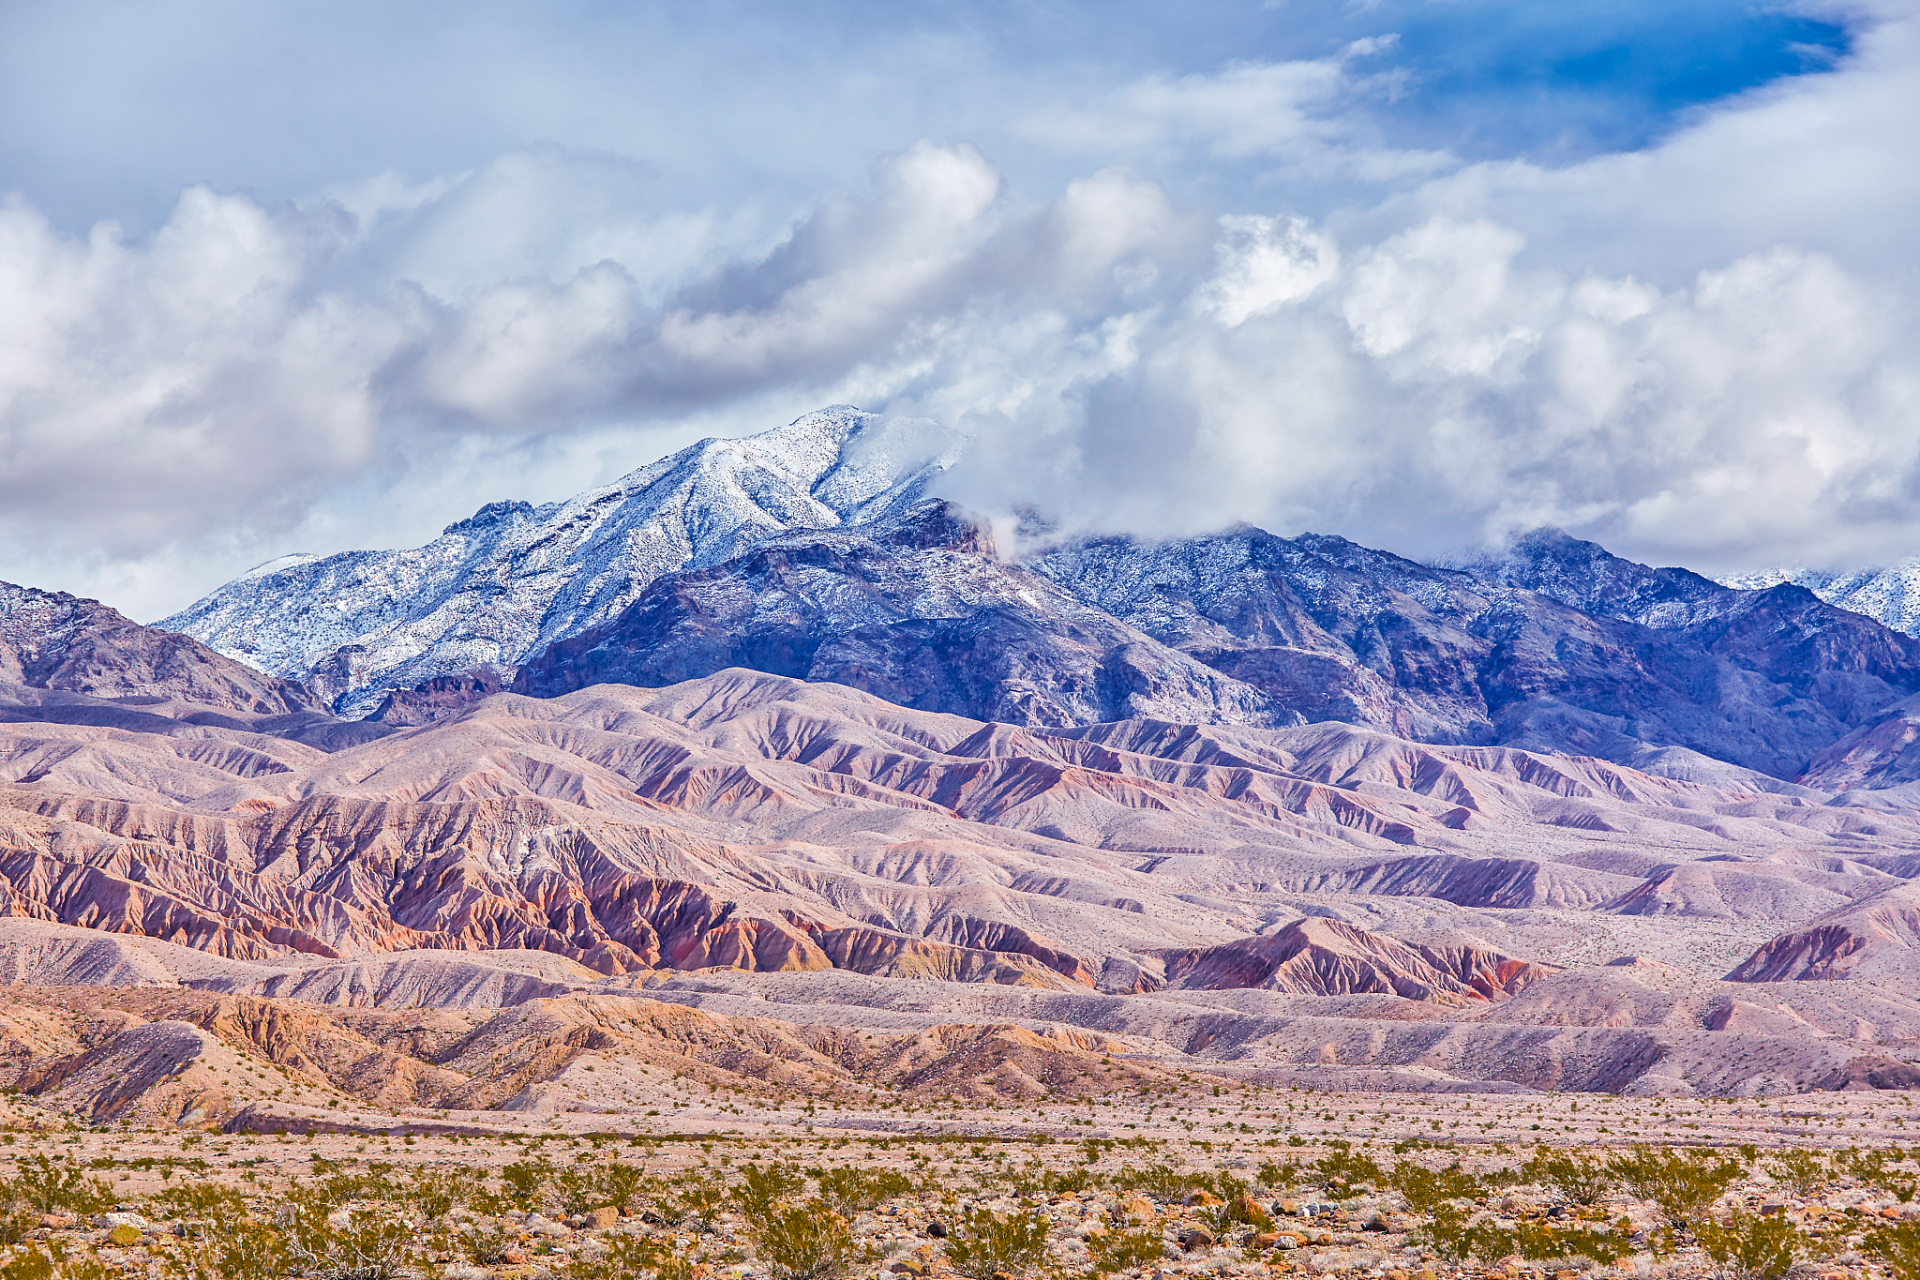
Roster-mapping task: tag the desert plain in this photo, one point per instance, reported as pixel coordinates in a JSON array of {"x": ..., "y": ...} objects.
[{"x": 1191, "y": 1173}]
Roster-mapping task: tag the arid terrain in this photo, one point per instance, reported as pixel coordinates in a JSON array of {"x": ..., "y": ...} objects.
[
  {"x": 531, "y": 903},
  {"x": 1186, "y": 1177}
]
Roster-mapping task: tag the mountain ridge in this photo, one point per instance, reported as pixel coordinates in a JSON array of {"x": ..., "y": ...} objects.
[
  {"x": 513, "y": 577},
  {"x": 1890, "y": 596},
  {"x": 814, "y": 550}
]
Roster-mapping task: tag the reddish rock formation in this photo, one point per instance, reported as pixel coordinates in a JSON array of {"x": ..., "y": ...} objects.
[{"x": 1878, "y": 938}]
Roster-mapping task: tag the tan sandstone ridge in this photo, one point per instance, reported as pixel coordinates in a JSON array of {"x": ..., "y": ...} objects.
[{"x": 1324, "y": 903}]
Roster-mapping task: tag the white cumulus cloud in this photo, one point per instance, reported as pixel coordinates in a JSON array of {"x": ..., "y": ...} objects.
[{"x": 1707, "y": 351}]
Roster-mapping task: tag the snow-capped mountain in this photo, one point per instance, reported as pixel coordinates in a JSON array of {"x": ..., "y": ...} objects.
[
  {"x": 512, "y": 578},
  {"x": 814, "y": 551},
  {"x": 917, "y": 608},
  {"x": 1889, "y": 596},
  {"x": 1558, "y": 646}
]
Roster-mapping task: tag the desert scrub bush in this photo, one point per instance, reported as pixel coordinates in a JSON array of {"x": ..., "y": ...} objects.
[
  {"x": 1543, "y": 1241},
  {"x": 1425, "y": 1190},
  {"x": 628, "y": 1258},
  {"x": 613, "y": 1183},
  {"x": 340, "y": 1188},
  {"x": 699, "y": 1200},
  {"x": 524, "y": 1182},
  {"x": 1230, "y": 1186},
  {"x": 1877, "y": 1169},
  {"x": 1457, "y": 1234},
  {"x": 1065, "y": 1182},
  {"x": 988, "y": 1244},
  {"x": 485, "y": 1242},
  {"x": 51, "y": 1188},
  {"x": 199, "y": 1202},
  {"x": 327, "y": 1239},
  {"x": 1278, "y": 1177},
  {"x": 1036, "y": 1180},
  {"x": 1751, "y": 1246},
  {"x": 1680, "y": 1184},
  {"x": 1343, "y": 1173},
  {"x": 850, "y": 1191},
  {"x": 434, "y": 1192},
  {"x": 765, "y": 1187},
  {"x": 1237, "y": 1208},
  {"x": 53, "y": 1263},
  {"x": 1124, "y": 1250},
  {"x": 1801, "y": 1172},
  {"x": 1573, "y": 1178},
  {"x": 16, "y": 1215},
  {"x": 228, "y": 1248},
  {"x": 1161, "y": 1182},
  {"x": 808, "y": 1242},
  {"x": 1898, "y": 1248}
]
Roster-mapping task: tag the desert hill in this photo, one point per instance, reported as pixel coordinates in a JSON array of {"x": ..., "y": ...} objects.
[{"x": 1316, "y": 902}]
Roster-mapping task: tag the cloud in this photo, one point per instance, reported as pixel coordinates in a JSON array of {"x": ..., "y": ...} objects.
[
  {"x": 148, "y": 391},
  {"x": 1265, "y": 264},
  {"x": 1304, "y": 118},
  {"x": 1703, "y": 350}
]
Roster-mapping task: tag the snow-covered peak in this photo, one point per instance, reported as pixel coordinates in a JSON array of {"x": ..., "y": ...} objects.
[
  {"x": 1890, "y": 596},
  {"x": 513, "y": 577}
]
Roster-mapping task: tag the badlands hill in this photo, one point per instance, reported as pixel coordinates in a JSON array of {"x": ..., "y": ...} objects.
[
  {"x": 57, "y": 643},
  {"x": 798, "y": 885}
]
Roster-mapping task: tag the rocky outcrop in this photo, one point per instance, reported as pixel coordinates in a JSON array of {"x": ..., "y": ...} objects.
[
  {"x": 1328, "y": 957},
  {"x": 436, "y": 699},
  {"x": 54, "y": 641}
]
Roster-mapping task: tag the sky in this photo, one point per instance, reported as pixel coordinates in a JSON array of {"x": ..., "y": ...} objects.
[{"x": 1425, "y": 273}]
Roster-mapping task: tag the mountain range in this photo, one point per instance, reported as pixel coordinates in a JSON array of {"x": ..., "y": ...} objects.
[
  {"x": 815, "y": 551},
  {"x": 769, "y": 728}
]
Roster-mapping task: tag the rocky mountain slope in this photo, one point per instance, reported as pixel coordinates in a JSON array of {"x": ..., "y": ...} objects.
[
  {"x": 1890, "y": 596},
  {"x": 1250, "y": 628},
  {"x": 1561, "y": 648},
  {"x": 62, "y": 644},
  {"x": 512, "y": 578},
  {"x": 918, "y": 609}
]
